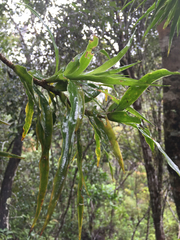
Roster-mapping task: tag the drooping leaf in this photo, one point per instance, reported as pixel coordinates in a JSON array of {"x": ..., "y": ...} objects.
[
  {"x": 27, "y": 81},
  {"x": 149, "y": 10},
  {"x": 169, "y": 161},
  {"x": 68, "y": 130},
  {"x": 115, "y": 146},
  {"x": 98, "y": 147},
  {"x": 149, "y": 140},
  {"x": 164, "y": 10},
  {"x": 80, "y": 109},
  {"x": 44, "y": 129},
  {"x": 109, "y": 134},
  {"x": 174, "y": 25},
  {"x": 10, "y": 155},
  {"x": 80, "y": 199}
]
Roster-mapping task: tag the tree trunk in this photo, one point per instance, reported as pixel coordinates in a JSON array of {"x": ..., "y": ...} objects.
[
  {"x": 171, "y": 105},
  {"x": 6, "y": 188},
  {"x": 154, "y": 178},
  {"x": 155, "y": 191}
]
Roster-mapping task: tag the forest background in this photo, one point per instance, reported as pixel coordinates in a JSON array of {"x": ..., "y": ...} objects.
[{"x": 137, "y": 204}]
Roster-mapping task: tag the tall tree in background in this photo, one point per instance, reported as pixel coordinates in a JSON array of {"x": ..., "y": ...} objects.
[{"x": 166, "y": 16}]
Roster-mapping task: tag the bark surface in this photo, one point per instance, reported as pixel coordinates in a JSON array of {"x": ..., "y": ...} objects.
[
  {"x": 6, "y": 187},
  {"x": 171, "y": 105}
]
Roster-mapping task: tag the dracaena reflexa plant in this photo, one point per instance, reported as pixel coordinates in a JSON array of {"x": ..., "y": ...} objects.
[{"x": 76, "y": 87}]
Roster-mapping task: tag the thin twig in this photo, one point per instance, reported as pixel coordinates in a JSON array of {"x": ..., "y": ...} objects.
[
  {"x": 68, "y": 204},
  {"x": 140, "y": 220},
  {"x": 148, "y": 221}
]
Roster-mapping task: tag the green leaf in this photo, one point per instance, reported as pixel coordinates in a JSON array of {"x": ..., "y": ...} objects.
[
  {"x": 85, "y": 58},
  {"x": 80, "y": 108},
  {"x": 111, "y": 170},
  {"x": 148, "y": 140},
  {"x": 27, "y": 81},
  {"x": 98, "y": 147},
  {"x": 80, "y": 199},
  {"x": 127, "y": 5},
  {"x": 68, "y": 130},
  {"x": 137, "y": 114},
  {"x": 133, "y": 93},
  {"x": 173, "y": 25},
  {"x": 61, "y": 85},
  {"x": 122, "y": 117},
  {"x": 113, "y": 60},
  {"x": 73, "y": 65},
  {"x": 50, "y": 33},
  {"x": 10, "y": 155},
  {"x": 36, "y": 74},
  {"x": 154, "y": 22},
  {"x": 169, "y": 161},
  {"x": 121, "y": 68},
  {"x": 44, "y": 130},
  {"x": 149, "y": 10},
  {"x": 105, "y": 53},
  {"x": 109, "y": 134},
  {"x": 112, "y": 79}
]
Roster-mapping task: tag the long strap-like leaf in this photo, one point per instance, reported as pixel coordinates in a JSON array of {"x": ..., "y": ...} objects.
[
  {"x": 80, "y": 199},
  {"x": 44, "y": 129},
  {"x": 68, "y": 129}
]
